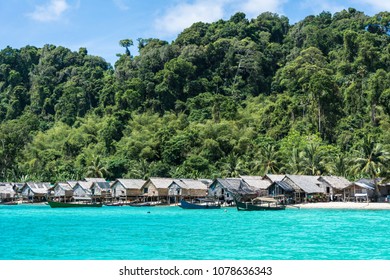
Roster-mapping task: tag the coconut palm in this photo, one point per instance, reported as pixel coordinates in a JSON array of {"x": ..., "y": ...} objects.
[
  {"x": 293, "y": 164},
  {"x": 232, "y": 166},
  {"x": 268, "y": 160},
  {"x": 372, "y": 160},
  {"x": 313, "y": 159},
  {"x": 96, "y": 168},
  {"x": 139, "y": 169},
  {"x": 338, "y": 166}
]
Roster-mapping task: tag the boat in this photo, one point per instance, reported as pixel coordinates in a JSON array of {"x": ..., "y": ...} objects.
[
  {"x": 143, "y": 204},
  {"x": 14, "y": 202},
  {"x": 56, "y": 204},
  {"x": 200, "y": 203},
  {"x": 115, "y": 204},
  {"x": 259, "y": 204}
]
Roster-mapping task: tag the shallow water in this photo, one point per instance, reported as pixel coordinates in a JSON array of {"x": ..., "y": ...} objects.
[{"x": 38, "y": 232}]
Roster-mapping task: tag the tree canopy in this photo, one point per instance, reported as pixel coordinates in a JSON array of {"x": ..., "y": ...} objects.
[{"x": 231, "y": 97}]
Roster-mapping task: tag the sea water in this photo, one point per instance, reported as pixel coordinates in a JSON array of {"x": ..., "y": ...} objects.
[{"x": 38, "y": 232}]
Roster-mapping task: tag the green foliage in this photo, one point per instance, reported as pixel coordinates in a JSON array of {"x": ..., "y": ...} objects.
[{"x": 231, "y": 97}]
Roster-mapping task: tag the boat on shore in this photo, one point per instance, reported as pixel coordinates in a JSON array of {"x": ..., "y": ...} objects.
[
  {"x": 200, "y": 204},
  {"x": 56, "y": 204},
  {"x": 259, "y": 204}
]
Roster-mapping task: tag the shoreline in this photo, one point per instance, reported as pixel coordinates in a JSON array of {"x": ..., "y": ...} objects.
[{"x": 343, "y": 205}]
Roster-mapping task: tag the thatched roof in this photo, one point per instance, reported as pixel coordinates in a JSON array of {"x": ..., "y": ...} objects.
[
  {"x": 189, "y": 187},
  {"x": 6, "y": 188},
  {"x": 37, "y": 188},
  {"x": 130, "y": 183},
  {"x": 256, "y": 182},
  {"x": 336, "y": 182},
  {"x": 366, "y": 184},
  {"x": 274, "y": 177},
  {"x": 235, "y": 186},
  {"x": 190, "y": 184},
  {"x": 286, "y": 187},
  {"x": 161, "y": 183},
  {"x": 84, "y": 185},
  {"x": 265, "y": 199},
  {"x": 64, "y": 186},
  {"x": 309, "y": 184},
  {"x": 18, "y": 186},
  {"x": 95, "y": 179},
  {"x": 102, "y": 185}
]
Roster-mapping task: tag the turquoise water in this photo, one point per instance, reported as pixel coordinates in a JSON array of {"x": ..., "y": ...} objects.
[{"x": 37, "y": 232}]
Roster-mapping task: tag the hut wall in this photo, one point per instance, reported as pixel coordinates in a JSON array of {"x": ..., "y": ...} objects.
[
  {"x": 118, "y": 190},
  {"x": 80, "y": 192},
  {"x": 149, "y": 190}
]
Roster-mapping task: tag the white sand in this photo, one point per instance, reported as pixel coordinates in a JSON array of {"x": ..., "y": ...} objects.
[{"x": 343, "y": 205}]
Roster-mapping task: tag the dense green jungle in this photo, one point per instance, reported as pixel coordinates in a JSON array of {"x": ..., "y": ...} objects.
[{"x": 233, "y": 97}]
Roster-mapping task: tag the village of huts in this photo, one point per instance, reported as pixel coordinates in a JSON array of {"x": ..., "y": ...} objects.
[{"x": 288, "y": 189}]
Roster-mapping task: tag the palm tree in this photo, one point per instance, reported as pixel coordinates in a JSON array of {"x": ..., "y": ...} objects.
[
  {"x": 372, "y": 160},
  {"x": 293, "y": 164},
  {"x": 232, "y": 166},
  {"x": 139, "y": 169},
  {"x": 338, "y": 166},
  {"x": 96, "y": 168},
  {"x": 313, "y": 159},
  {"x": 268, "y": 160}
]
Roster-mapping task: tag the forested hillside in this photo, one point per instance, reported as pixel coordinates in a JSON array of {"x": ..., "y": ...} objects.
[{"x": 232, "y": 97}]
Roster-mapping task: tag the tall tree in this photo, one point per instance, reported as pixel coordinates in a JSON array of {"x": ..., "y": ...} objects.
[
  {"x": 371, "y": 160},
  {"x": 126, "y": 43}
]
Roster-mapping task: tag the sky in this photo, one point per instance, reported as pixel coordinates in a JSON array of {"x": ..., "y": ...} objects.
[{"x": 99, "y": 25}]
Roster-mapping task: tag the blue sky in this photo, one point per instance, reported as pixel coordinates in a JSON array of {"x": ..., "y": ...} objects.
[{"x": 98, "y": 25}]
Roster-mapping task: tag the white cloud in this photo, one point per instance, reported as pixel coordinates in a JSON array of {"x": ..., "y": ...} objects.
[
  {"x": 378, "y": 5},
  {"x": 252, "y": 8},
  {"x": 52, "y": 11},
  {"x": 318, "y": 6},
  {"x": 184, "y": 15},
  {"x": 121, "y": 4}
]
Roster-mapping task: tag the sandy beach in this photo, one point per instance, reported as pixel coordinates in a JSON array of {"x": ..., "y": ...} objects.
[{"x": 344, "y": 205}]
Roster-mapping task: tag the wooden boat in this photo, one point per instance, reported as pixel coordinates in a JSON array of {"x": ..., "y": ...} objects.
[
  {"x": 56, "y": 204},
  {"x": 115, "y": 204},
  {"x": 259, "y": 204},
  {"x": 10, "y": 203},
  {"x": 200, "y": 204},
  {"x": 143, "y": 204}
]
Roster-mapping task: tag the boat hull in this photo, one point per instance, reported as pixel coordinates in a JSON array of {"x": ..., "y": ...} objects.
[
  {"x": 55, "y": 204},
  {"x": 187, "y": 205},
  {"x": 248, "y": 206}
]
